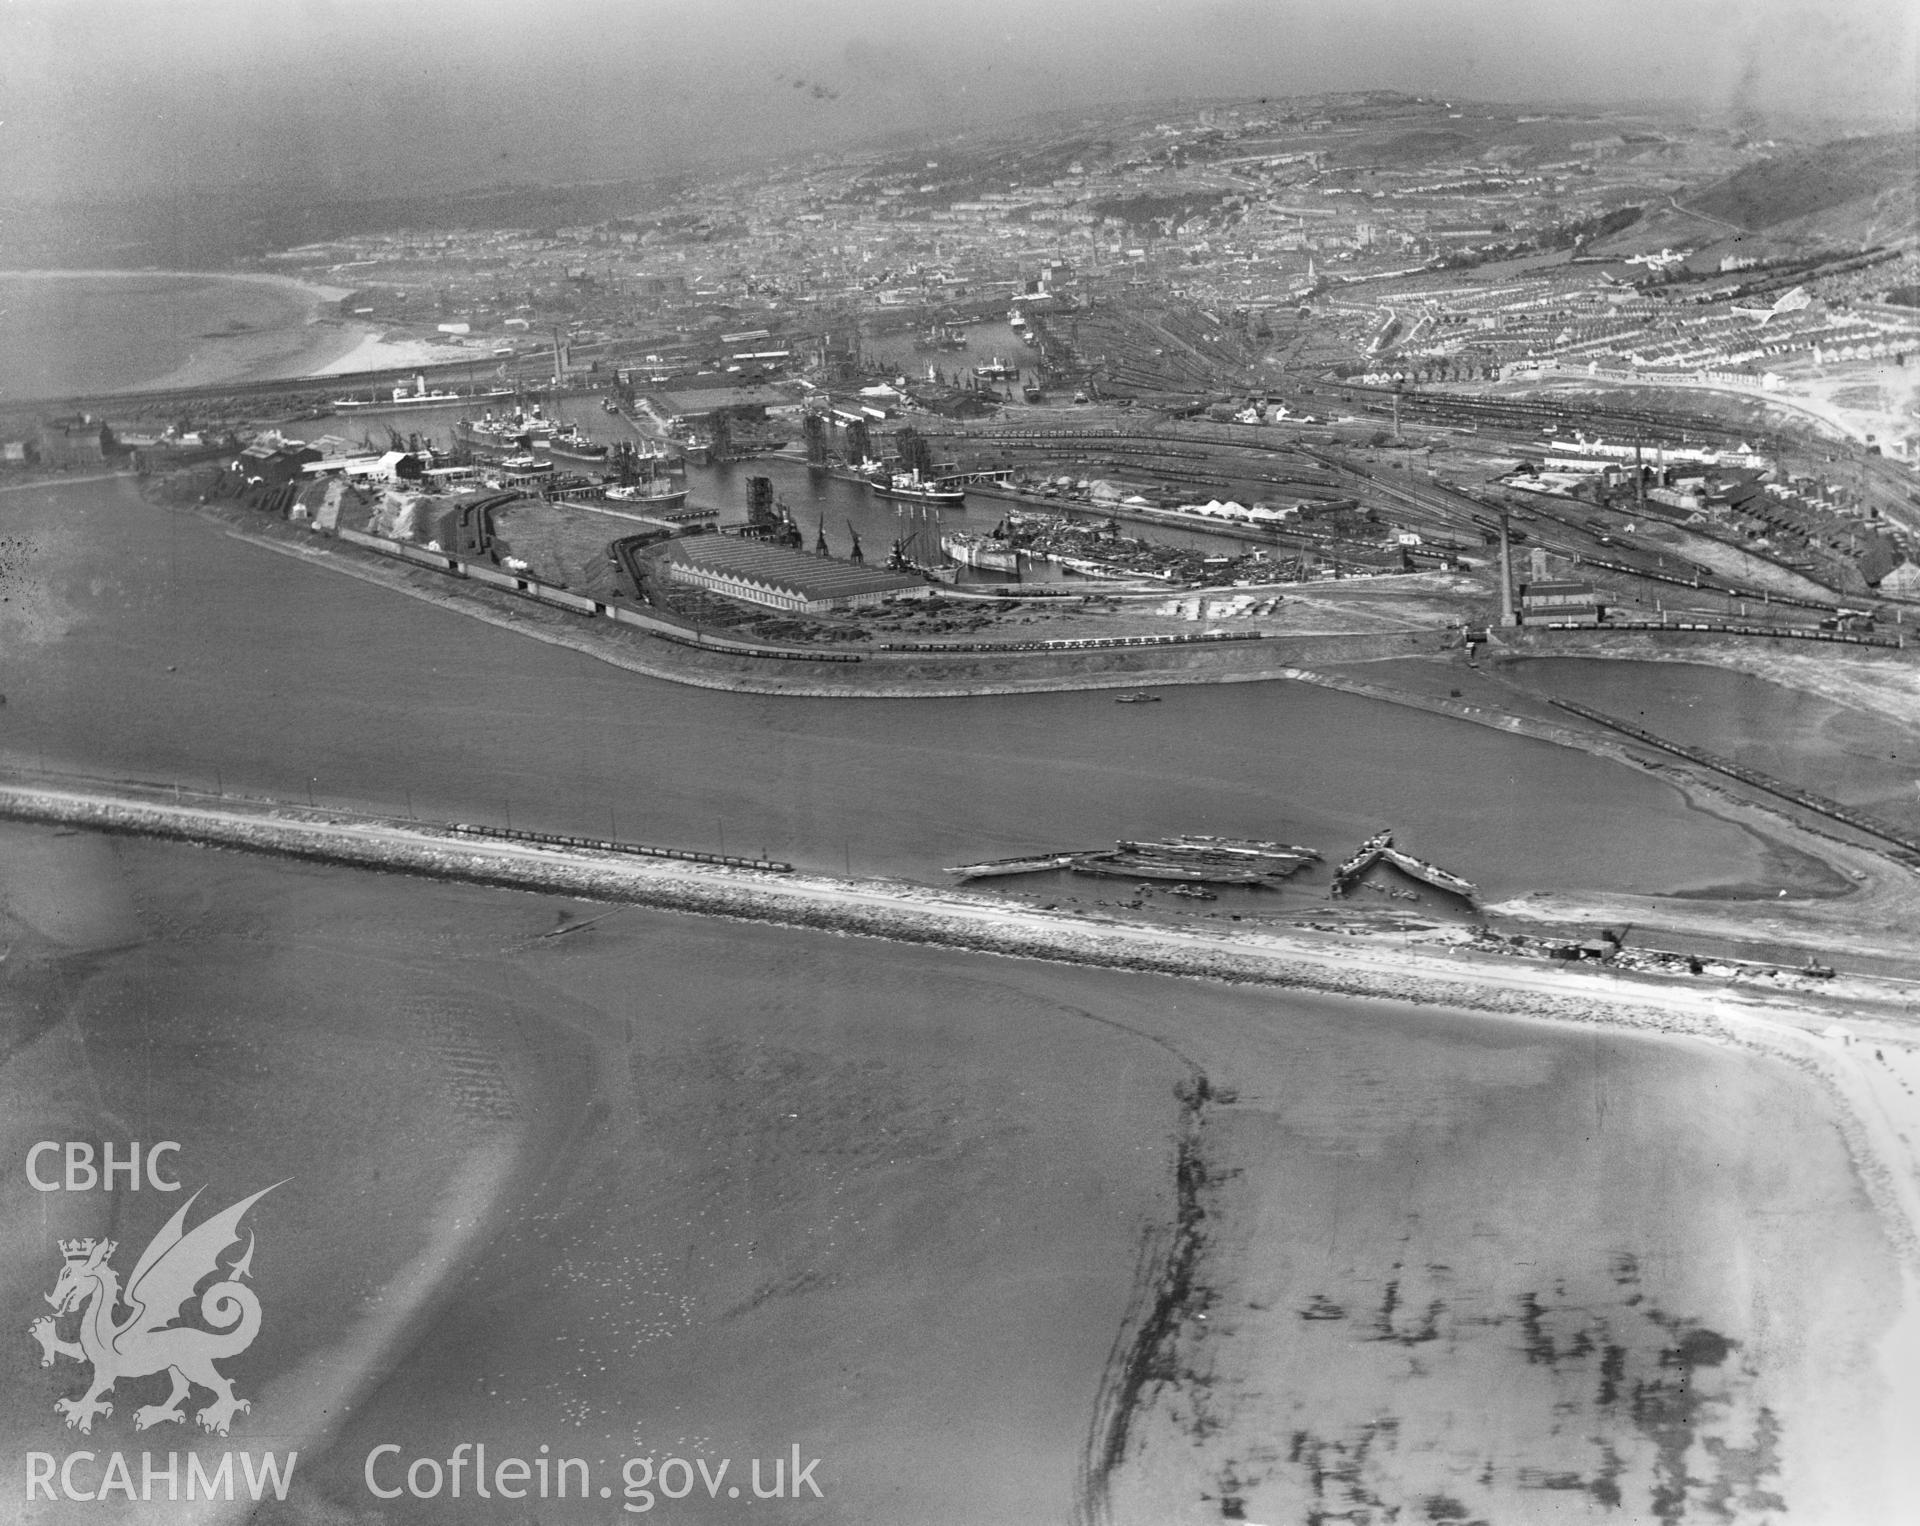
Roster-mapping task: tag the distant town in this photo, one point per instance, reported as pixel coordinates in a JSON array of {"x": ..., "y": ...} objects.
[
  {"x": 1368, "y": 976},
  {"x": 1548, "y": 367}
]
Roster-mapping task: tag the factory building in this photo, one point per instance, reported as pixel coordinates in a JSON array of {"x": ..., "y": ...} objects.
[
  {"x": 779, "y": 578},
  {"x": 1578, "y": 603},
  {"x": 75, "y": 441}
]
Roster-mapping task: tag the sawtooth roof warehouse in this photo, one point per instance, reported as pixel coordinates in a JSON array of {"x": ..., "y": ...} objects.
[{"x": 780, "y": 578}]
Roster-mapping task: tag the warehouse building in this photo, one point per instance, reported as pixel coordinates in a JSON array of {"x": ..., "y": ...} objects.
[
  {"x": 779, "y": 578},
  {"x": 1561, "y": 603}
]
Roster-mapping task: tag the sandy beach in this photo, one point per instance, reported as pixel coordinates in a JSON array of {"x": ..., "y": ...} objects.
[
  {"x": 303, "y": 336},
  {"x": 621, "y": 1202},
  {"x": 1691, "y": 1313},
  {"x": 371, "y": 351}
]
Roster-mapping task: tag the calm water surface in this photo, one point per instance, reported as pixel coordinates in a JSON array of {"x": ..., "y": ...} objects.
[{"x": 149, "y": 643}]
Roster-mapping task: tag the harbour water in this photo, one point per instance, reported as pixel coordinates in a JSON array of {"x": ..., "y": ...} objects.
[
  {"x": 664, "y": 1186},
  {"x": 149, "y": 643}
]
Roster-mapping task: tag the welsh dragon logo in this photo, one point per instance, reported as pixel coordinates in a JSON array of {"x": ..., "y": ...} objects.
[{"x": 148, "y": 1340}]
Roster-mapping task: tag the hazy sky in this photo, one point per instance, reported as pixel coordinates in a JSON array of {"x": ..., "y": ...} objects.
[{"x": 113, "y": 95}]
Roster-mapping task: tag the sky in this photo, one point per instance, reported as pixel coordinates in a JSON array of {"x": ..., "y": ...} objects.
[{"x": 111, "y": 97}]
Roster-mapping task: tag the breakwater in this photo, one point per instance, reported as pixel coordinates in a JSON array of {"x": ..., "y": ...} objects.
[{"x": 872, "y": 908}]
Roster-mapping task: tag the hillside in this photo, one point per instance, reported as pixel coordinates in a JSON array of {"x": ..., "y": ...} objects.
[{"x": 1865, "y": 180}]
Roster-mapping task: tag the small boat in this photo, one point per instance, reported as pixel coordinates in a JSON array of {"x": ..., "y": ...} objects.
[
  {"x": 1141, "y": 698},
  {"x": 1192, "y": 892}
]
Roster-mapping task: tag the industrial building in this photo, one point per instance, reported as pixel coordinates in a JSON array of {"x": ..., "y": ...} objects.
[
  {"x": 1562, "y": 602},
  {"x": 779, "y": 578}
]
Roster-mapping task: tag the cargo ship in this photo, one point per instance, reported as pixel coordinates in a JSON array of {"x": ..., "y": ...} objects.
[
  {"x": 652, "y": 486},
  {"x": 656, "y": 496},
  {"x": 942, "y": 336},
  {"x": 908, "y": 487},
  {"x": 981, "y": 551},
  {"x": 416, "y": 396},
  {"x": 569, "y": 444},
  {"x": 997, "y": 370},
  {"x": 510, "y": 432}
]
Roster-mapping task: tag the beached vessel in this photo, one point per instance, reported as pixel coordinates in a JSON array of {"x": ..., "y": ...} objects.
[{"x": 1185, "y": 859}]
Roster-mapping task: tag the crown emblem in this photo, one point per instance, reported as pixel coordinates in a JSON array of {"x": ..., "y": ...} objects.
[{"x": 81, "y": 1250}]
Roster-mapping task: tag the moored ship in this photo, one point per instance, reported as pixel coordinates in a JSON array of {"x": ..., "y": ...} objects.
[
  {"x": 981, "y": 551},
  {"x": 910, "y": 487},
  {"x": 997, "y": 370},
  {"x": 511, "y": 432},
  {"x": 649, "y": 480},
  {"x": 569, "y": 444},
  {"x": 652, "y": 497},
  {"x": 416, "y": 396}
]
